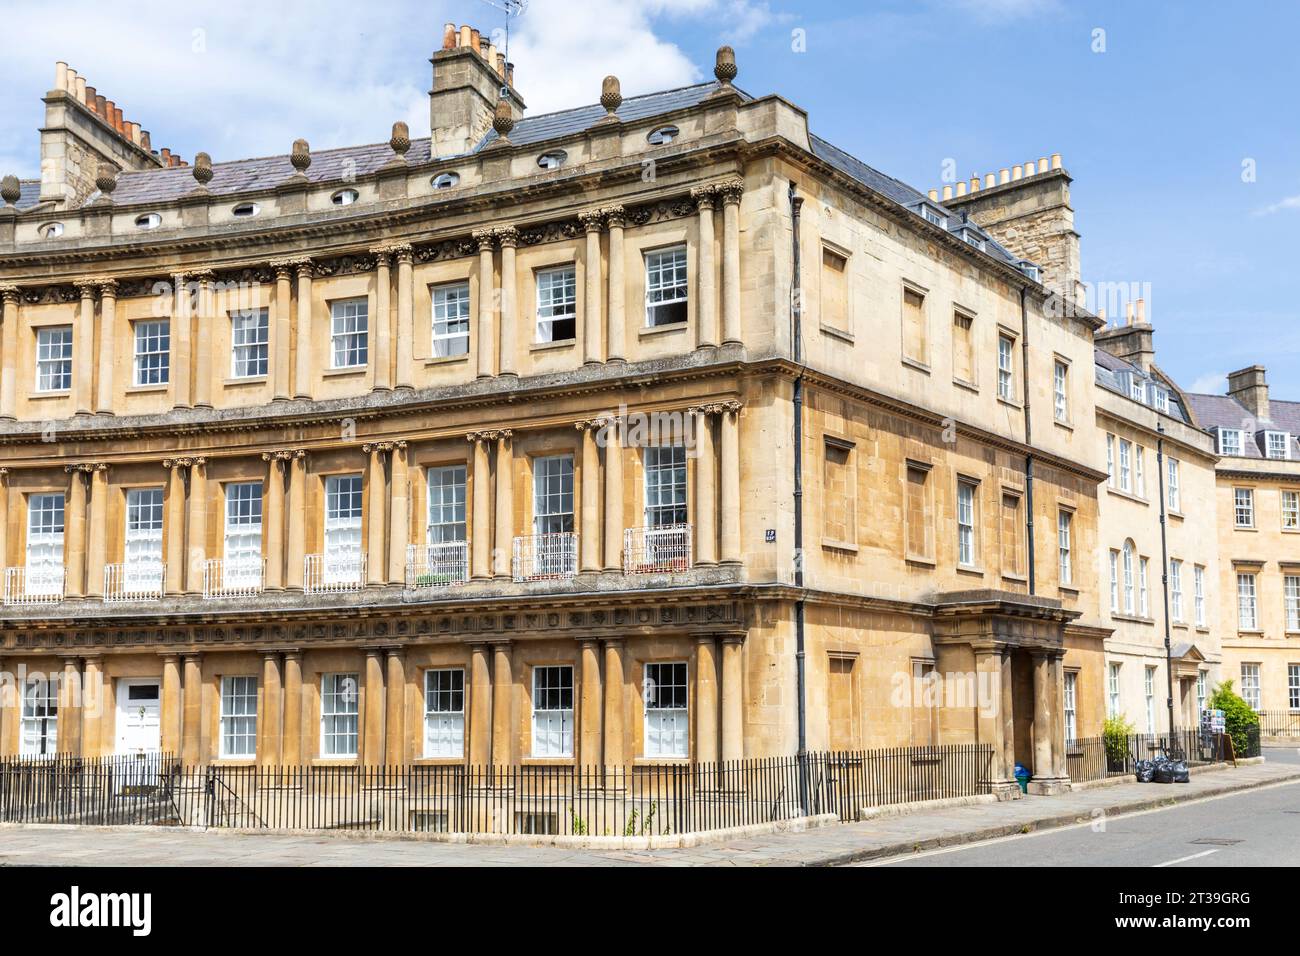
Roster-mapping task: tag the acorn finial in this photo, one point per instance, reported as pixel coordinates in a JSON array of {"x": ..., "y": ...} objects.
[
  {"x": 202, "y": 169},
  {"x": 300, "y": 156},
  {"x": 611, "y": 94},
  {"x": 724, "y": 67},
  {"x": 503, "y": 120},
  {"x": 10, "y": 190},
  {"x": 106, "y": 179},
  {"x": 400, "y": 141}
]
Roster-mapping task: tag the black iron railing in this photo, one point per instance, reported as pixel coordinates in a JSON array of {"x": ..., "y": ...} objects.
[
  {"x": 1095, "y": 758},
  {"x": 1279, "y": 723}
]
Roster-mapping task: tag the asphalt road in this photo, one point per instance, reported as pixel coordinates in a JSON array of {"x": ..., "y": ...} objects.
[{"x": 1252, "y": 828}]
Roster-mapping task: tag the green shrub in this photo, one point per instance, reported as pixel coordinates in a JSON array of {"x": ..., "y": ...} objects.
[
  {"x": 1238, "y": 719},
  {"x": 1115, "y": 733}
]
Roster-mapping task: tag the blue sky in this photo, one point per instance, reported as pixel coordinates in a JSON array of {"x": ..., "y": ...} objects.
[{"x": 1181, "y": 133}]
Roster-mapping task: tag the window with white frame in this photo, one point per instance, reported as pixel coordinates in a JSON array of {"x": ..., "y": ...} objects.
[
  {"x": 553, "y": 494},
  {"x": 45, "y": 543},
  {"x": 1114, "y": 580},
  {"x": 1250, "y": 685},
  {"x": 1110, "y": 460},
  {"x": 553, "y": 711},
  {"x": 1247, "y": 612},
  {"x": 1071, "y": 705},
  {"x": 1064, "y": 520},
  {"x": 349, "y": 333},
  {"x": 450, "y": 320},
  {"x": 665, "y": 486},
  {"x": 1172, "y": 488},
  {"x": 1144, "y": 605},
  {"x": 242, "y": 545},
  {"x": 1149, "y": 694},
  {"x": 1125, "y": 465},
  {"x": 250, "y": 336},
  {"x": 665, "y": 287},
  {"x": 444, "y": 712},
  {"x": 143, "y": 546},
  {"x": 1006, "y": 368},
  {"x": 1176, "y": 591},
  {"x": 446, "y": 505},
  {"x": 1128, "y": 577},
  {"x": 1293, "y": 686},
  {"x": 1230, "y": 441},
  {"x": 557, "y": 304},
  {"x": 338, "y": 715},
  {"x": 343, "y": 496},
  {"x": 666, "y": 730},
  {"x": 1291, "y": 510},
  {"x": 1139, "y": 471},
  {"x": 1160, "y": 396},
  {"x": 54, "y": 359},
  {"x": 1060, "y": 391},
  {"x": 1277, "y": 445},
  {"x": 1200, "y": 693},
  {"x": 1137, "y": 389},
  {"x": 1243, "y": 507},
  {"x": 1291, "y": 597},
  {"x": 238, "y": 716},
  {"x": 1112, "y": 688},
  {"x": 152, "y": 352},
  {"x": 40, "y": 717},
  {"x": 966, "y": 523},
  {"x": 1198, "y": 595}
]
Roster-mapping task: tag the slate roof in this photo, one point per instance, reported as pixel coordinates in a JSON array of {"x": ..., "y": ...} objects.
[
  {"x": 1224, "y": 411},
  {"x": 30, "y": 193},
  {"x": 1112, "y": 371}
]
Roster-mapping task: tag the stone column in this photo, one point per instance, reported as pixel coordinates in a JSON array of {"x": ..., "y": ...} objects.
[
  {"x": 74, "y": 550},
  {"x": 614, "y": 496},
  {"x": 592, "y": 220},
  {"x": 399, "y": 515},
  {"x": 1059, "y": 763},
  {"x": 395, "y": 698},
  {"x": 92, "y": 711},
  {"x": 192, "y": 710},
  {"x": 1042, "y": 729},
  {"x": 375, "y": 518},
  {"x": 480, "y": 706},
  {"x": 180, "y": 335},
  {"x": 505, "y": 523},
  {"x": 70, "y": 708},
  {"x": 96, "y": 530},
  {"x": 206, "y": 362},
  {"x": 731, "y": 192},
  {"x": 706, "y": 517},
  {"x": 9, "y": 351},
  {"x": 706, "y": 309},
  {"x": 372, "y": 747},
  {"x": 502, "y": 697},
  {"x": 481, "y": 530},
  {"x": 590, "y": 704},
  {"x": 729, "y": 485},
  {"x": 615, "y": 680},
  {"x": 4, "y": 531},
  {"x": 171, "y": 704},
  {"x": 174, "y": 526},
  {"x": 292, "y": 737},
  {"x": 589, "y": 541},
  {"x": 280, "y": 330},
  {"x": 508, "y": 238},
  {"x": 486, "y": 296},
  {"x": 84, "y": 354},
  {"x": 107, "y": 337},
  {"x": 383, "y": 316},
  {"x": 198, "y": 531},
  {"x": 296, "y": 552},
  {"x": 733, "y": 699},
  {"x": 405, "y": 314},
  {"x": 988, "y": 713},
  {"x": 706, "y": 700},
  {"x": 1008, "y": 718},
  {"x": 269, "y": 716},
  {"x": 616, "y": 326},
  {"x": 302, "y": 379},
  {"x": 273, "y": 519}
]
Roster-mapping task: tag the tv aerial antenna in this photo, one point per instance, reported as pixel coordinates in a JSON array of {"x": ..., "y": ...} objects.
[{"x": 511, "y": 8}]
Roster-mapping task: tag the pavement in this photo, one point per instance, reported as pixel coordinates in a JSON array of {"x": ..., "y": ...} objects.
[{"x": 874, "y": 840}]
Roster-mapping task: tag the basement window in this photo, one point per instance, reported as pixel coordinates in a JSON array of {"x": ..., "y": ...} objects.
[
  {"x": 344, "y": 197},
  {"x": 445, "y": 180},
  {"x": 246, "y": 210},
  {"x": 663, "y": 135},
  {"x": 150, "y": 220},
  {"x": 51, "y": 230},
  {"x": 552, "y": 160}
]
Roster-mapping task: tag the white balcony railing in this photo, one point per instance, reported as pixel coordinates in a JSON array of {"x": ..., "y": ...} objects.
[
  {"x": 545, "y": 557},
  {"x": 224, "y": 579},
  {"x": 25, "y": 587},
  {"x": 332, "y": 573},
  {"x": 133, "y": 582},
  {"x": 436, "y": 565},
  {"x": 667, "y": 548}
]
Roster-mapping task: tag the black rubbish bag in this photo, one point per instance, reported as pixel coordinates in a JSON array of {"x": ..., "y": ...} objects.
[
  {"x": 1178, "y": 768},
  {"x": 1164, "y": 770},
  {"x": 1144, "y": 770}
]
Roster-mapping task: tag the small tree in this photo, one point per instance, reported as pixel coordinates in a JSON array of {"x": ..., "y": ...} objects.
[
  {"x": 1239, "y": 720},
  {"x": 1115, "y": 733}
]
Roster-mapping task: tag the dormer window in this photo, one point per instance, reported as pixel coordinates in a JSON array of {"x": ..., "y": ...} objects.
[
  {"x": 1277, "y": 445},
  {"x": 662, "y": 135},
  {"x": 931, "y": 214},
  {"x": 344, "y": 197},
  {"x": 1160, "y": 398},
  {"x": 1029, "y": 269},
  {"x": 1230, "y": 442},
  {"x": 973, "y": 238},
  {"x": 445, "y": 180},
  {"x": 1137, "y": 389},
  {"x": 51, "y": 230},
  {"x": 552, "y": 160},
  {"x": 150, "y": 220},
  {"x": 246, "y": 210}
]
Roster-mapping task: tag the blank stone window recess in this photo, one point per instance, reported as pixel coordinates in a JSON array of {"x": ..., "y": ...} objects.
[
  {"x": 835, "y": 281},
  {"x": 839, "y": 509}
]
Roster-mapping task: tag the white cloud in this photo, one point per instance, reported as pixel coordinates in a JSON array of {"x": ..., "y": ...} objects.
[
  {"x": 1290, "y": 202},
  {"x": 993, "y": 10},
  {"x": 1212, "y": 383}
]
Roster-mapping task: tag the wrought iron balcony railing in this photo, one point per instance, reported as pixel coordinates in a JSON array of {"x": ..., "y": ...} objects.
[
  {"x": 224, "y": 579},
  {"x": 333, "y": 573},
  {"x": 133, "y": 581},
  {"x": 436, "y": 565},
  {"x": 25, "y": 587},
  {"x": 666, "y": 548},
  {"x": 546, "y": 557}
]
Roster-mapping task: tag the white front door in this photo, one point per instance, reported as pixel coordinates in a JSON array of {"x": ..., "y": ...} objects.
[{"x": 139, "y": 716}]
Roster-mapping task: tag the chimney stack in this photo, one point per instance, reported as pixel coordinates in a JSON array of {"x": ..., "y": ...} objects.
[
  {"x": 1247, "y": 385},
  {"x": 468, "y": 76}
]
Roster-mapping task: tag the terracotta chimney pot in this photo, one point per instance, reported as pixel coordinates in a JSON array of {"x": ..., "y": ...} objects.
[{"x": 449, "y": 36}]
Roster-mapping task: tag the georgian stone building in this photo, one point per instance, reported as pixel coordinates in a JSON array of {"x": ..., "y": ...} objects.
[{"x": 482, "y": 446}]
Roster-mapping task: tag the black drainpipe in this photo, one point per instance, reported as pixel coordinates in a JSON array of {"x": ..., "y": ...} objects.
[
  {"x": 1029, "y": 457},
  {"x": 801, "y": 676},
  {"x": 1164, "y": 573}
]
